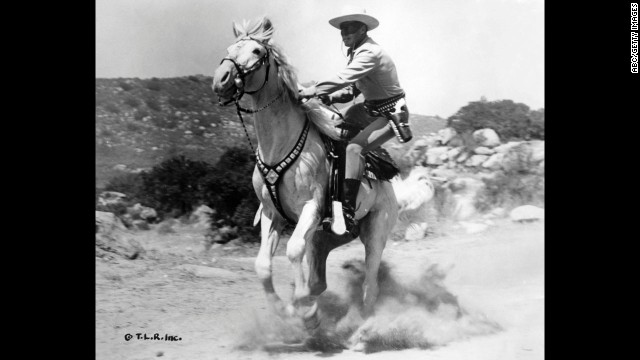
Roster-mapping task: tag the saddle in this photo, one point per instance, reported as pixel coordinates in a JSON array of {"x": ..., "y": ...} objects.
[{"x": 378, "y": 166}]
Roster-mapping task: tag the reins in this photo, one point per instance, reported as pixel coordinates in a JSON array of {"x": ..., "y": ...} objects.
[{"x": 239, "y": 83}]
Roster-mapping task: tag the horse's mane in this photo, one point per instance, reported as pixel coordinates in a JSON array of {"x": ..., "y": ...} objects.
[{"x": 262, "y": 31}]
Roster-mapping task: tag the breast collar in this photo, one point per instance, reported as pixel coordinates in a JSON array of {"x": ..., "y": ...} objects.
[{"x": 272, "y": 174}]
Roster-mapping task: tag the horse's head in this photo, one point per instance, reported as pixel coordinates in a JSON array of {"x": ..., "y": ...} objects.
[{"x": 246, "y": 66}]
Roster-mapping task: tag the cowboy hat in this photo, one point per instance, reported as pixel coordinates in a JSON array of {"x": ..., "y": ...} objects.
[{"x": 351, "y": 14}]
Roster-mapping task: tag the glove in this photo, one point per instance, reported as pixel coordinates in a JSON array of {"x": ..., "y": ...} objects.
[
  {"x": 326, "y": 99},
  {"x": 307, "y": 92}
]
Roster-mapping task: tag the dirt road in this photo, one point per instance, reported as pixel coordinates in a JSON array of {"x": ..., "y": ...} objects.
[{"x": 214, "y": 306}]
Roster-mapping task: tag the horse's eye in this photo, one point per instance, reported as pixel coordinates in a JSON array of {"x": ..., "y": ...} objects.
[{"x": 256, "y": 51}]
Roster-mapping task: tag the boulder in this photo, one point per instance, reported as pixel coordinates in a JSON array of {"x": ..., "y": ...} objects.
[
  {"x": 113, "y": 238},
  {"x": 526, "y": 213},
  {"x": 486, "y": 137},
  {"x": 464, "y": 192},
  {"x": 120, "y": 167},
  {"x": 140, "y": 225},
  {"x": 107, "y": 198},
  {"x": 417, "y": 150},
  {"x": 452, "y": 154},
  {"x": 494, "y": 162},
  {"x": 436, "y": 155},
  {"x": 504, "y": 148},
  {"x": 476, "y": 160},
  {"x": 447, "y": 134},
  {"x": 537, "y": 150},
  {"x": 483, "y": 150},
  {"x": 416, "y": 231},
  {"x": 202, "y": 215},
  {"x": 148, "y": 214},
  {"x": 523, "y": 157},
  {"x": 464, "y": 155}
]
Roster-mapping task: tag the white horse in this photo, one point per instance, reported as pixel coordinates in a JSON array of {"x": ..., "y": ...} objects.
[{"x": 256, "y": 68}]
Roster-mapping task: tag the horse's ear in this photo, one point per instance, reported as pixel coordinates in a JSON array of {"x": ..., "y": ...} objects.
[
  {"x": 266, "y": 23},
  {"x": 236, "y": 30}
]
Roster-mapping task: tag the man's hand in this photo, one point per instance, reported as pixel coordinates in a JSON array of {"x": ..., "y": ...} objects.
[{"x": 307, "y": 92}]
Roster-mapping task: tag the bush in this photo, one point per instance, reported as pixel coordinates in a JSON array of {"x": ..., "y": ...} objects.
[
  {"x": 174, "y": 185},
  {"x": 153, "y": 84},
  {"x": 227, "y": 187},
  {"x": 131, "y": 101},
  {"x": 140, "y": 114},
  {"x": 510, "y": 190},
  {"x": 125, "y": 86},
  {"x": 112, "y": 108},
  {"x": 512, "y": 121},
  {"x": 153, "y": 104},
  {"x": 178, "y": 103}
]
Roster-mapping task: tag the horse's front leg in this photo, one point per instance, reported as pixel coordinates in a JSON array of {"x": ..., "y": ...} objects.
[
  {"x": 303, "y": 233},
  {"x": 270, "y": 237}
]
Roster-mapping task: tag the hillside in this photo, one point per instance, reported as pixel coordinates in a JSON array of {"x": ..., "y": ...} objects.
[{"x": 140, "y": 122}]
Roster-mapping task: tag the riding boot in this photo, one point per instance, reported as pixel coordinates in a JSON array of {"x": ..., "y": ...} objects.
[{"x": 350, "y": 192}]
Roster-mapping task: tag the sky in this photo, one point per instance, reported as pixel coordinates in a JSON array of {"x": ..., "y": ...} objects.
[{"x": 447, "y": 52}]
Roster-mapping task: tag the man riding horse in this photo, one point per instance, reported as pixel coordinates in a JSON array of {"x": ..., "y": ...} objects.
[{"x": 370, "y": 72}]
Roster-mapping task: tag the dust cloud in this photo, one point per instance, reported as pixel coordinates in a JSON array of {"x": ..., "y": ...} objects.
[{"x": 420, "y": 314}]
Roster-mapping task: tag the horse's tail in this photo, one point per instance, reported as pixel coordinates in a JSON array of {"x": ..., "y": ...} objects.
[{"x": 324, "y": 119}]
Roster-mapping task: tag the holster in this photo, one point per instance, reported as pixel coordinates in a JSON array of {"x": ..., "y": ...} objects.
[{"x": 399, "y": 122}]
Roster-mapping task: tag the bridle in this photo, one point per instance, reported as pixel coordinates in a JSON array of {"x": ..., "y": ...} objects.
[
  {"x": 239, "y": 83},
  {"x": 242, "y": 73}
]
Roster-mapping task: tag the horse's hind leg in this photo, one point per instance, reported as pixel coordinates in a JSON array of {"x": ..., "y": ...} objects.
[
  {"x": 270, "y": 237},
  {"x": 375, "y": 230}
]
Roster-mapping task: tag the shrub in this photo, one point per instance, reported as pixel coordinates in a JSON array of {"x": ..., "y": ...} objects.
[
  {"x": 166, "y": 122},
  {"x": 194, "y": 78},
  {"x": 129, "y": 183},
  {"x": 112, "y": 108},
  {"x": 512, "y": 121},
  {"x": 133, "y": 127},
  {"x": 178, "y": 103},
  {"x": 510, "y": 190},
  {"x": 174, "y": 184},
  {"x": 125, "y": 86},
  {"x": 131, "y": 101},
  {"x": 153, "y": 104},
  {"x": 225, "y": 188},
  {"x": 153, "y": 84},
  {"x": 140, "y": 114}
]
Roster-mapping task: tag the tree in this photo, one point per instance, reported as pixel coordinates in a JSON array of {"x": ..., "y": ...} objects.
[{"x": 509, "y": 119}]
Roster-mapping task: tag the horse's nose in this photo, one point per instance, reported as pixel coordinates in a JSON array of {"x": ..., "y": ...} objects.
[{"x": 221, "y": 79}]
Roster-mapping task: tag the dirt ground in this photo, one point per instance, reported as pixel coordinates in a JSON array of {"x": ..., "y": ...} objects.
[{"x": 214, "y": 305}]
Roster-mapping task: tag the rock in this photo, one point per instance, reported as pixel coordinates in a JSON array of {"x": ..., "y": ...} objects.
[
  {"x": 209, "y": 272},
  {"x": 464, "y": 192},
  {"x": 473, "y": 228},
  {"x": 483, "y": 150},
  {"x": 494, "y": 162},
  {"x": 464, "y": 155},
  {"x": 417, "y": 150},
  {"x": 486, "y": 137},
  {"x": 436, "y": 155},
  {"x": 120, "y": 167},
  {"x": 140, "y": 225},
  {"x": 526, "y": 213},
  {"x": 107, "y": 198},
  {"x": 452, "y": 154},
  {"x": 112, "y": 238},
  {"x": 447, "y": 134},
  {"x": 416, "y": 231},
  {"x": 504, "y": 148},
  {"x": 537, "y": 150},
  {"x": 523, "y": 157},
  {"x": 202, "y": 215},
  {"x": 476, "y": 160},
  {"x": 148, "y": 214}
]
